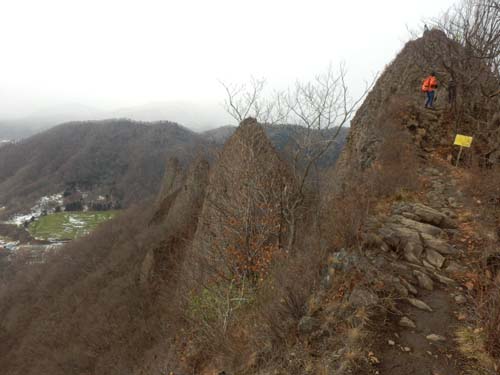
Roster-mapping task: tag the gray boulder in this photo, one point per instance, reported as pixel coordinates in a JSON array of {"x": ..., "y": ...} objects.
[
  {"x": 419, "y": 304},
  {"x": 439, "y": 245},
  {"x": 399, "y": 236},
  {"x": 432, "y": 216},
  {"x": 363, "y": 298},
  {"x": 434, "y": 258},
  {"x": 407, "y": 322},
  {"x": 417, "y": 226},
  {"x": 424, "y": 281}
]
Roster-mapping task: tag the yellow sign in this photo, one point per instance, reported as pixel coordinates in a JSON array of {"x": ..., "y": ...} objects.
[{"x": 463, "y": 140}]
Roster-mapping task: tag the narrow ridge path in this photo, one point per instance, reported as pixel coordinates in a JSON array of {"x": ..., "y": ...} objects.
[{"x": 420, "y": 340}]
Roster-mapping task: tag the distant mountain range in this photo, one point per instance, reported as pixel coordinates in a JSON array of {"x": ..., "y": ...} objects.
[
  {"x": 195, "y": 116},
  {"x": 121, "y": 157}
]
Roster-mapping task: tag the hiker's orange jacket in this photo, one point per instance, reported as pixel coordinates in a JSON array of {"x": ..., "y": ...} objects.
[{"x": 430, "y": 84}]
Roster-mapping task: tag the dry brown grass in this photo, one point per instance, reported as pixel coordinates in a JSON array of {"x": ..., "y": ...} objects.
[
  {"x": 392, "y": 176},
  {"x": 83, "y": 309},
  {"x": 471, "y": 343},
  {"x": 483, "y": 186},
  {"x": 487, "y": 304}
]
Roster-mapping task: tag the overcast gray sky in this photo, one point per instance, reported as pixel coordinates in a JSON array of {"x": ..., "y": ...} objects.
[{"x": 117, "y": 53}]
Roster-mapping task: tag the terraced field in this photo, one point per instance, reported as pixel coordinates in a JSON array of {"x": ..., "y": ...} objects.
[{"x": 68, "y": 225}]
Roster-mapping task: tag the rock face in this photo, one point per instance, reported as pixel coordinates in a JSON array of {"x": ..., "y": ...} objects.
[
  {"x": 172, "y": 179},
  {"x": 420, "y": 240},
  {"x": 183, "y": 193},
  {"x": 402, "y": 78},
  {"x": 241, "y": 215},
  {"x": 399, "y": 89},
  {"x": 179, "y": 206}
]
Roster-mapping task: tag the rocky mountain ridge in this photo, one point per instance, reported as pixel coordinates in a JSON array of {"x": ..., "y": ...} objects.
[
  {"x": 122, "y": 158},
  {"x": 384, "y": 278}
]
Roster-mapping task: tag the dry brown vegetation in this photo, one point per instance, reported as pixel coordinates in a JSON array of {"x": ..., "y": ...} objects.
[
  {"x": 467, "y": 52},
  {"x": 392, "y": 174},
  {"x": 484, "y": 190},
  {"x": 220, "y": 279},
  {"x": 83, "y": 309},
  {"x": 123, "y": 158},
  {"x": 132, "y": 294}
]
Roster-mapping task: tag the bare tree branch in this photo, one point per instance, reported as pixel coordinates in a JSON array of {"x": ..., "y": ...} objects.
[{"x": 315, "y": 111}]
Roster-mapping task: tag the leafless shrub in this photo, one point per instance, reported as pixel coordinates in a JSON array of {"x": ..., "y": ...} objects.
[
  {"x": 475, "y": 25},
  {"x": 483, "y": 186},
  {"x": 487, "y": 302},
  {"x": 293, "y": 281},
  {"x": 315, "y": 108},
  {"x": 490, "y": 313},
  {"x": 84, "y": 307},
  {"x": 347, "y": 212}
]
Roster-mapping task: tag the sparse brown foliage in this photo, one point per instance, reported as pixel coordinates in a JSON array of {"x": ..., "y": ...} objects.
[
  {"x": 242, "y": 225},
  {"x": 318, "y": 109},
  {"x": 83, "y": 308},
  {"x": 394, "y": 171}
]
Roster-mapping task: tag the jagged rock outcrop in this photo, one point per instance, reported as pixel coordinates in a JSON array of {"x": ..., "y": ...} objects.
[
  {"x": 397, "y": 97},
  {"x": 182, "y": 192},
  {"x": 179, "y": 207},
  {"x": 242, "y": 213},
  {"x": 172, "y": 179}
]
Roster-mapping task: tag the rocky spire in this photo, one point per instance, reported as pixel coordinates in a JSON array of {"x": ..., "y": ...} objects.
[
  {"x": 183, "y": 192},
  {"x": 241, "y": 213},
  {"x": 397, "y": 97}
]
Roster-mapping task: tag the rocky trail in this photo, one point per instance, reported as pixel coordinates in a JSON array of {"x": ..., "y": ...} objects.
[{"x": 424, "y": 263}]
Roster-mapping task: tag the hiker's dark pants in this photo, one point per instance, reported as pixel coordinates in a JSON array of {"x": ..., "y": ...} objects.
[
  {"x": 452, "y": 95},
  {"x": 430, "y": 99}
]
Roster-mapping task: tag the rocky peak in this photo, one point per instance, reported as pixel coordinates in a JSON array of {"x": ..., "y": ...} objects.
[
  {"x": 397, "y": 98},
  {"x": 243, "y": 199}
]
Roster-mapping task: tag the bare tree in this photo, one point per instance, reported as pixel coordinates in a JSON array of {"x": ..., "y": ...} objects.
[
  {"x": 249, "y": 100},
  {"x": 471, "y": 56},
  {"x": 474, "y": 27},
  {"x": 465, "y": 50},
  {"x": 315, "y": 112}
]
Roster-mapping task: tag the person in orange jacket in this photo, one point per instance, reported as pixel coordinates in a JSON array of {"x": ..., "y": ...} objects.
[{"x": 429, "y": 86}]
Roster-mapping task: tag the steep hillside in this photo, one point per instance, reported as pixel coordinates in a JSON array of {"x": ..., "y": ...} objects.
[
  {"x": 398, "y": 91},
  {"x": 428, "y": 240},
  {"x": 105, "y": 304},
  {"x": 122, "y": 158},
  {"x": 119, "y": 158},
  {"x": 243, "y": 205},
  {"x": 395, "y": 269}
]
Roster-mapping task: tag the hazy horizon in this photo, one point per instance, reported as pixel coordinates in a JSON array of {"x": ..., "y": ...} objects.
[{"x": 103, "y": 57}]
